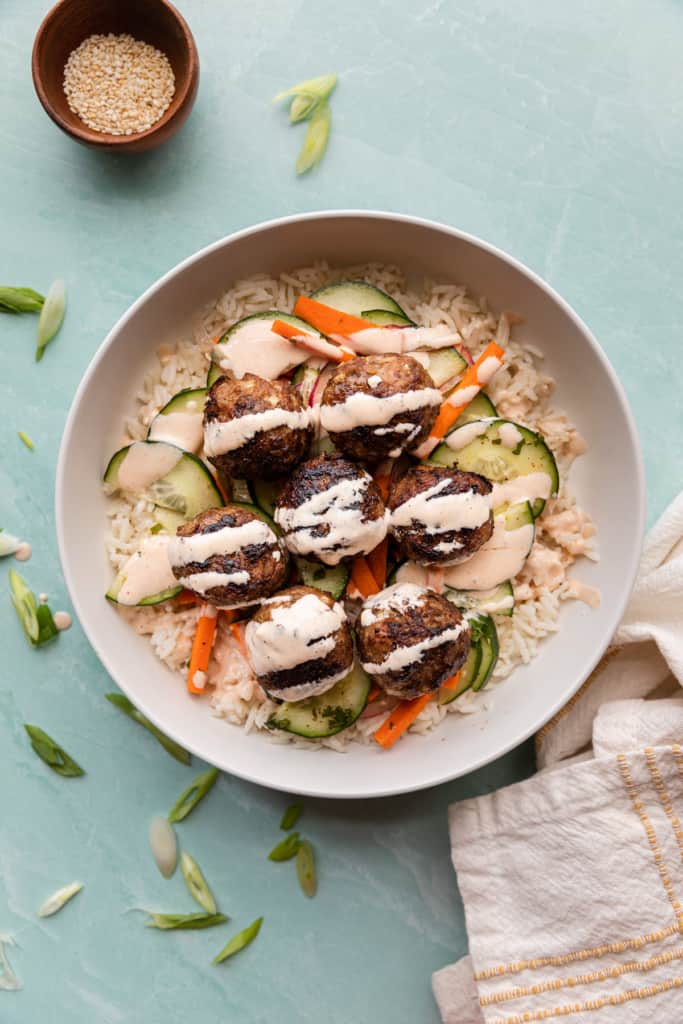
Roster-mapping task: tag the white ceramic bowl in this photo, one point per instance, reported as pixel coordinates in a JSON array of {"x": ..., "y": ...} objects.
[{"x": 608, "y": 482}]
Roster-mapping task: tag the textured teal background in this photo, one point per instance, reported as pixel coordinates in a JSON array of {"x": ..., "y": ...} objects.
[{"x": 552, "y": 130}]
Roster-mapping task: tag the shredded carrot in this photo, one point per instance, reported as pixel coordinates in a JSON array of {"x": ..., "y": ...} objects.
[
  {"x": 352, "y": 591},
  {"x": 377, "y": 563},
  {"x": 400, "y": 720},
  {"x": 223, "y": 493},
  {"x": 187, "y": 597},
  {"x": 382, "y": 477},
  {"x": 452, "y": 683},
  {"x": 216, "y": 338},
  {"x": 375, "y": 692},
  {"x": 454, "y": 406},
  {"x": 312, "y": 343},
  {"x": 202, "y": 645},
  {"x": 237, "y": 629},
  {"x": 328, "y": 320},
  {"x": 363, "y": 577}
]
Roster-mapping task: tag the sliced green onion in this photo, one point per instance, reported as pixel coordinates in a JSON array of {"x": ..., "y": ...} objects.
[
  {"x": 20, "y": 300},
  {"x": 25, "y": 605},
  {"x": 319, "y": 88},
  {"x": 239, "y": 941},
  {"x": 191, "y": 796},
  {"x": 128, "y": 708},
  {"x": 47, "y": 630},
  {"x": 51, "y": 316},
  {"x": 164, "y": 846},
  {"x": 174, "y": 922},
  {"x": 291, "y": 816},
  {"x": 286, "y": 848},
  {"x": 196, "y": 883},
  {"x": 8, "y": 543},
  {"x": 54, "y": 903},
  {"x": 157, "y": 528},
  {"x": 302, "y": 107},
  {"x": 52, "y": 754},
  {"x": 305, "y": 868},
  {"x": 315, "y": 143},
  {"x": 26, "y": 439},
  {"x": 8, "y": 979}
]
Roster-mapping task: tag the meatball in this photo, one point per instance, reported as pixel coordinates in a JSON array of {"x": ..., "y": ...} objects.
[
  {"x": 440, "y": 515},
  {"x": 228, "y": 556},
  {"x": 255, "y": 427},
  {"x": 375, "y": 407},
  {"x": 410, "y": 640},
  {"x": 299, "y": 643},
  {"x": 331, "y": 509}
]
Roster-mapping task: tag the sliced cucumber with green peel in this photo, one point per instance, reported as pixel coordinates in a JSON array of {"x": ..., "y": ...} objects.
[
  {"x": 500, "y": 558},
  {"x": 214, "y": 373},
  {"x": 144, "y": 563},
  {"x": 187, "y": 432},
  {"x": 499, "y": 600},
  {"x": 445, "y": 364},
  {"x": 328, "y": 714},
  {"x": 330, "y": 578},
  {"x": 386, "y": 318},
  {"x": 165, "y": 595},
  {"x": 356, "y": 298},
  {"x": 187, "y": 400},
  {"x": 484, "y": 632},
  {"x": 240, "y": 492},
  {"x": 187, "y": 488},
  {"x": 264, "y": 494},
  {"x": 488, "y": 455},
  {"x": 168, "y": 520},
  {"x": 480, "y": 408},
  {"x": 468, "y": 673},
  {"x": 233, "y": 334}
]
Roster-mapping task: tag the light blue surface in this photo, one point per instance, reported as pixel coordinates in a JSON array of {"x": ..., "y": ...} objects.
[{"x": 551, "y": 130}]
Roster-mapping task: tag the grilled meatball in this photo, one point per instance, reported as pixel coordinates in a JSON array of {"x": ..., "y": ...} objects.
[
  {"x": 331, "y": 509},
  {"x": 410, "y": 640},
  {"x": 440, "y": 515},
  {"x": 299, "y": 643},
  {"x": 255, "y": 427},
  {"x": 379, "y": 406},
  {"x": 228, "y": 556}
]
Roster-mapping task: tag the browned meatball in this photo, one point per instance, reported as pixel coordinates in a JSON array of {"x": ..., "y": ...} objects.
[
  {"x": 440, "y": 515},
  {"x": 299, "y": 643},
  {"x": 410, "y": 640},
  {"x": 255, "y": 427},
  {"x": 228, "y": 556},
  {"x": 375, "y": 407},
  {"x": 331, "y": 509}
]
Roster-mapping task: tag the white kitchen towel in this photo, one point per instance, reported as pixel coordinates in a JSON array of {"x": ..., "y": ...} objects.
[{"x": 572, "y": 881}]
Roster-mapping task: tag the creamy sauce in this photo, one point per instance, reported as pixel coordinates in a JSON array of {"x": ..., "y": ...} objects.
[
  {"x": 296, "y": 633},
  {"x": 463, "y": 396},
  {"x": 582, "y": 592},
  {"x": 379, "y": 340},
  {"x": 509, "y": 435},
  {"x": 499, "y": 559},
  {"x": 23, "y": 552},
  {"x": 521, "y": 488},
  {"x": 228, "y": 436},
  {"x": 144, "y": 463},
  {"x": 460, "y": 438},
  {"x": 487, "y": 369},
  {"x": 397, "y": 428},
  {"x": 441, "y": 513},
  {"x": 147, "y": 572},
  {"x": 227, "y": 541},
  {"x": 392, "y": 599},
  {"x": 256, "y": 349},
  {"x": 374, "y": 381},
  {"x": 183, "y": 429},
  {"x": 302, "y": 691},
  {"x": 62, "y": 620},
  {"x": 361, "y": 409},
  {"x": 202, "y": 582},
  {"x": 338, "y": 507},
  {"x": 43, "y": 598}
]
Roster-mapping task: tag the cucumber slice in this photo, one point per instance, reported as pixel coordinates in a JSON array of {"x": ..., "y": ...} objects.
[
  {"x": 188, "y": 488},
  {"x": 445, "y": 364},
  {"x": 356, "y": 298},
  {"x": 168, "y": 520},
  {"x": 485, "y": 633},
  {"x": 259, "y": 513},
  {"x": 330, "y": 578},
  {"x": 239, "y": 492},
  {"x": 468, "y": 673},
  {"x": 145, "y": 559},
  {"x": 264, "y": 493},
  {"x": 480, "y": 408},
  {"x": 385, "y": 317},
  {"x": 499, "y": 600},
  {"x": 322, "y": 444},
  {"x": 327, "y": 714},
  {"x": 235, "y": 333},
  {"x": 168, "y": 426},
  {"x": 164, "y": 595},
  {"x": 486, "y": 454}
]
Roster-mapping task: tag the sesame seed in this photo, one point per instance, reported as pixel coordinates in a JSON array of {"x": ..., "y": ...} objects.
[{"x": 117, "y": 84}]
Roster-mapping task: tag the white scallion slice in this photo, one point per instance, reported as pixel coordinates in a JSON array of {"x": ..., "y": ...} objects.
[
  {"x": 9, "y": 544},
  {"x": 51, "y": 316},
  {"x": 318, "y": 88},
  {"x": 196, "y": 883},
  {"x": 59, "y": 899},
  {"x": 315, "y": 143},
  {"x": 8, "y": 979},
  {"x": 162, "y": 841}
]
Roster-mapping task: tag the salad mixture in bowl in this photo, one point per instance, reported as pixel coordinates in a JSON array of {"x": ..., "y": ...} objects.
[{"x": 341, "y": 510}]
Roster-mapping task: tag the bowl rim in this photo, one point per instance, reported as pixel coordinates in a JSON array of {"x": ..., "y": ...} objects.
[
  {"x": 631, "y": 558},
  {"x": 105, "y": 139}
]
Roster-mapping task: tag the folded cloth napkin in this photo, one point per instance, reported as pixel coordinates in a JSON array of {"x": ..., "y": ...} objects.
[{"x": 572, "y": 881}]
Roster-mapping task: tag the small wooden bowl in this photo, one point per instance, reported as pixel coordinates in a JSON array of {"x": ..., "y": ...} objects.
[{"x": 152, "y": 21}]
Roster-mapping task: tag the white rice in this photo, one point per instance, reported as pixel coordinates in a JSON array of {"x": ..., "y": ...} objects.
[{"x": 520, "y": 391}]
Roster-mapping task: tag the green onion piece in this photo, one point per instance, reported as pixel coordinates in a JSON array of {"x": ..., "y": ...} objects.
[
  {"x": 319, "y": 88},
  {"x": 54, "y": 903},
  {"x": 305, "y": 868},
  {"x": 286, "y": 848},
  {"x": 315, "y": 143},
  {"x": 190, "y": 797},
  {"x": 196, "y": 883},
  {"x": 9, "y": 544},
  {"x": 20, "y": 300},
  {"x": 26, "y": 439},
  {"x": 169, "y": 745},
  {"x": 157, "y": 528},
  {"x": 8, "y": 979},
  {"x": 187, "y": 922},
  {"x": 26, "y": 606},
  {"x": 239, "y": 941},
  {"x": 52, "y": 754},
  {"x": 302, "y": 107},
  {"x": 291, "y": 816},
  {"x": 47, "y": 629},
  {"x": 51, "y": 316}
]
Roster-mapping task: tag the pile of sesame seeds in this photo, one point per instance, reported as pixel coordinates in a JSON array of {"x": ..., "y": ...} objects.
[{"x": 117, "y": 84}]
